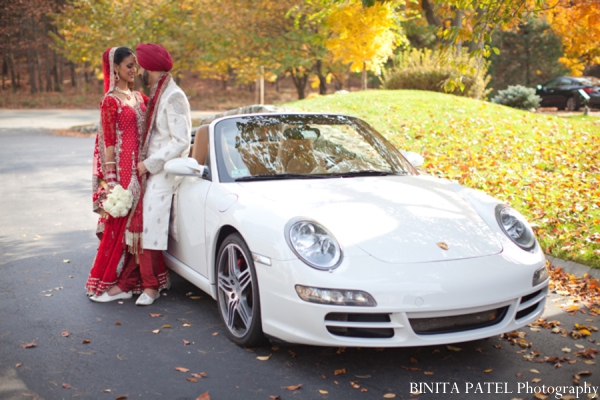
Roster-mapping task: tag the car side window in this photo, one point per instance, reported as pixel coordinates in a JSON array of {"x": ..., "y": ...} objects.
[
  {"x": 551, "y": 84},
  {"x": 564, "y": 82}
]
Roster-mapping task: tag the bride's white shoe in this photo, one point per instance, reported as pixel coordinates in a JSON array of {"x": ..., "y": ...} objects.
[
  {"x": 105, "y": 297},
  {"x": 146, "y": 300}
]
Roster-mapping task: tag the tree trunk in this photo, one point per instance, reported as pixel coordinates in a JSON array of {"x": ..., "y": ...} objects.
[
  {"x": 73, "y": 74},
  {"x": 322, "y": 78},
  {"x": 40, "y": 71},
  {"x": 300, "y": 83},
  {"x": 364, "y": 76},
  {"x": 31, "y": 70},
  {"x": 457, "y": 23},
  {"x": 11, "y": 69},
  {"x": 4, "y": 70},
  {"x": 49, "y": 67},
  {"x": 430, "y": 13}
]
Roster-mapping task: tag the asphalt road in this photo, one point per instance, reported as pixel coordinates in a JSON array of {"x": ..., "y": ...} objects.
[{"x": 85, "y": 350}]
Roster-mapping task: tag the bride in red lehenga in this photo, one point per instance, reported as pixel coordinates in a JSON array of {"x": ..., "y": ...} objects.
[{"x": 123, "y": 113}]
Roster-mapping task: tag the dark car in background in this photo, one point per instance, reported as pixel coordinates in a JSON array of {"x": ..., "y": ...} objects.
[{"x": 564, "y": 92}]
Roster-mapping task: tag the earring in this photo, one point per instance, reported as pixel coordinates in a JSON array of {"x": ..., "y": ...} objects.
[{"x": 117, "y": 77}]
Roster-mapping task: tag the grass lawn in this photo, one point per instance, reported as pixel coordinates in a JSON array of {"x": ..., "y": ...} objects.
[{"x": 547, "y": 167}]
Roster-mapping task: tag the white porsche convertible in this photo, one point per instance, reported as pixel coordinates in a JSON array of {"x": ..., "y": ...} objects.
[{"x": 313, "y": 229}]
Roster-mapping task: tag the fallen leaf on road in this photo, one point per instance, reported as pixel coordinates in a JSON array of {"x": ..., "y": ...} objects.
[
  {"x": 18, "y": 365},
  {"x": 339, "y": 371},
  {"x": 187, "y": 324},
  {"x": 155, "y": 315},
  {"x": 192, "y": 379},
  {"x": 487, "y": 371},
  {"x": 275, "y": 397},
  {"x": 65, "y": 334},
  {"x": 429, "y": 372},
  {"x": 66, "y": 261},
  {"x": 364, "y": 390},
  {"x": 452, "y": 348},
  {"x": 588, "y": 372},
  {"x": 122, "y": 397},
  {"x": 323, "y": 391},
  {"x": 186, "y": 342},
  {"x": 540, "y": 396},
  {"x": 106, "y": 391},
  {"x": 294, "y": 387},
  {"x": 215, "y": 333},
  {"x": 199, "y": 375},
  {"x": 166, "y": 326},
  {"x": 117, "y": 323},
  {"x": 66, "y": 386},
  {"x": 86, "y": 341},
  {"x": 28, "y": 345},
  {"x": 536, "y": 380},
  {"x": 393, "y": 396},
  {"x": 355, "y": 385},
  {"x": 195, "y": 297},
  {"x": 264, "y": 358},
  {"x": 182, "y": 369},
  {"x": 566, "y": 350},
  {"x": 156, "y": 331},
  {"x": 535, "y": 371}
]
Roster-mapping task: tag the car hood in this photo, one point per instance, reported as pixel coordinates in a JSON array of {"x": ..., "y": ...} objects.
[{"x": 396, "y": 219}]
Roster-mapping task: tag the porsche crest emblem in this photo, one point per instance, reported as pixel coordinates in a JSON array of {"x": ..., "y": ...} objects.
[{"x": 442, "y": 245}]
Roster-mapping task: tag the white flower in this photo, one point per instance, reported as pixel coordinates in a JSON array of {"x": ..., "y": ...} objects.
[{"x": 118, "y": 202}]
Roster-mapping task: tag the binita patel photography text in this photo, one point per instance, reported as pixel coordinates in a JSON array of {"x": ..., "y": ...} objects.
[{"x": 502, "y": 387}]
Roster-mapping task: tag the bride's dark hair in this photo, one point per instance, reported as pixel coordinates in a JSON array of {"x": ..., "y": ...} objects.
[{"x": 121, "y": 53}]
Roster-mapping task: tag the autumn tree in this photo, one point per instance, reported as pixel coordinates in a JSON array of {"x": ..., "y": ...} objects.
[
  {"x": 85, "y": 29},
  {"x": 363, "y": 37},
  {"x": 529, "y": 54},
  {"x": 577, "y": 22},
  {"x": 24, "y": 40}
]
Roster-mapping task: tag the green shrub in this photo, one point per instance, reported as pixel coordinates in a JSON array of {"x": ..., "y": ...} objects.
[
  {"x": 518, "y": 96},
  {"x": 425, "y": 69}
]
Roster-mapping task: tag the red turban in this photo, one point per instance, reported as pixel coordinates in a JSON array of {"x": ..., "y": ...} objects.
[{"x": 153, "y": 57}]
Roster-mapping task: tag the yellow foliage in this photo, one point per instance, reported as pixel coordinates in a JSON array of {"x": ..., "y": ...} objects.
[
  {"x": 363, "y": 37},
  {"x": 577, "y": 22}
]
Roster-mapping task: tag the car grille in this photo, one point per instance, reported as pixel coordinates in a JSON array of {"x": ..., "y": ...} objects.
[
  {"x": 359, "y": 325},
  {"x": 524, "y": 309},
  {"x": 457, "y": 323}
]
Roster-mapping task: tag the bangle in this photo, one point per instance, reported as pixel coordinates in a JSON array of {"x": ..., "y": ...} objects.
[
  {"x": 111, "y": 162},
  {"x": 112, "y": 184}
]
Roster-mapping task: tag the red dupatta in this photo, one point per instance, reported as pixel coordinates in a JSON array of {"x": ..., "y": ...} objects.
[{"x": 135, "y": 223}]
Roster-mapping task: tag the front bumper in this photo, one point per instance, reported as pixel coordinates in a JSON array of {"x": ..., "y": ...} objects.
[{"x": 417, "y": 304}]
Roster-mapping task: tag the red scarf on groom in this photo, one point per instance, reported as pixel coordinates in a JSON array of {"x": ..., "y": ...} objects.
[{"x": 133, "y": 235}]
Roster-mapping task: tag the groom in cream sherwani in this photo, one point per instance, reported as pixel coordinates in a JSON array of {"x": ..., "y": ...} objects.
[{"x": 169, "y": 136}]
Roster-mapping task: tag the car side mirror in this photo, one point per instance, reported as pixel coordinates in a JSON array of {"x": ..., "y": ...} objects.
[
  {"x": 415, "y": 159},
  {"x": 186, "y": 167}
]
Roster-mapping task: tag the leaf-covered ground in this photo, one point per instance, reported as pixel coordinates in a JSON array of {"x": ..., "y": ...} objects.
[{"x": 545, "y": 166}]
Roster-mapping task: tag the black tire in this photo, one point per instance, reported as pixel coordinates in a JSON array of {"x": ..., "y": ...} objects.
[
  {"x": 571, "y": 104},
  {"x": 237, "y": 292}
]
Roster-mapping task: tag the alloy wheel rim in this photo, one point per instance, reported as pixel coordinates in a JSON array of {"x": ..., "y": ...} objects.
[{"x": 235, "y": 290}]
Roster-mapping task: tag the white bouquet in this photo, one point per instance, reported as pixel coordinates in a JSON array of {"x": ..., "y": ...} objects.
[{"x": 118, "y": 202}]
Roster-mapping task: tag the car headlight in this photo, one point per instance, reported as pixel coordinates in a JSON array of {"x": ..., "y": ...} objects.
[
  {"x": 314, "y": 245},
  {"x": 515, "y": 226}
]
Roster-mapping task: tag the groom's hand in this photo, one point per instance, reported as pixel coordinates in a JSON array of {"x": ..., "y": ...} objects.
[{"x": 142, "y": 168}]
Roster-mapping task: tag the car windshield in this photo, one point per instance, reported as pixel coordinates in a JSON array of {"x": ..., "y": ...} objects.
[{"x": 301, "y": 146}]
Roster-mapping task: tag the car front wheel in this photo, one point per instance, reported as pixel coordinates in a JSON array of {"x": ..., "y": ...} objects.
[{"x": 237, "y": 292}]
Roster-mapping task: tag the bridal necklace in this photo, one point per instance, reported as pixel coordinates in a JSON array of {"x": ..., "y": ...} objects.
[{"x": 127, "y": 92}]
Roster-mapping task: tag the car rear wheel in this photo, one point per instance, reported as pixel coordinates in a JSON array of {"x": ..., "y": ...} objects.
[
  {"x": 237, "y": 292},
  {"x": 571, "y": 104}
]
